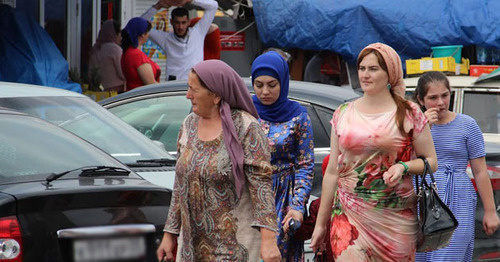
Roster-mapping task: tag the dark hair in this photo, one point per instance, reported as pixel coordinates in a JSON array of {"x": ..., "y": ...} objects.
[
  {"x": 116, "y": 26},
  {"x": 402, "y": 104},
  {"x": 126, "y": 41},
  {"x": 425, "y": 80},
  {"x": 179, "y": 12},
  {"x": 282, "y": 53}
]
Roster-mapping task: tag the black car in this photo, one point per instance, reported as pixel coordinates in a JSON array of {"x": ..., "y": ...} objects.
[{"x": 63, "y": 199}]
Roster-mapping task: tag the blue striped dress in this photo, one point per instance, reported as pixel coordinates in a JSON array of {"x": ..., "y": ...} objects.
[{"x": 456, "y": 143}]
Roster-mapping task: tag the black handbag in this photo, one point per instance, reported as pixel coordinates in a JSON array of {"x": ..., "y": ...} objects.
[
  {"x": 436, "y": 221},
  {"x": 320, "y": 258}
]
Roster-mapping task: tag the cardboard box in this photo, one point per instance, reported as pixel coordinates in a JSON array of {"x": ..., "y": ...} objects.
[
  {"x": 100, "y": 95},
  {"x": 443, "y": 64},
  {"x": 463, "y": 68},
  {"x": 477, "y": 70},
  {"x": 420, "y": 66}
]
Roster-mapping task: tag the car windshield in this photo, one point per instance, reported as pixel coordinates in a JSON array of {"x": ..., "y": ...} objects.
[
  {"x": 158, "y": 118},
  {"x": 91, "y": 122},
  {"x": 31, "y": 148}
]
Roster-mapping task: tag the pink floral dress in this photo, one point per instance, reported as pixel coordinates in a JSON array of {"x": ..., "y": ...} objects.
[{"x": 371, "y": 221}]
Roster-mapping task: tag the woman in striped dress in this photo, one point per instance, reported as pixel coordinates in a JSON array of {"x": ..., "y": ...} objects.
[{"x": 458, "y": 140}]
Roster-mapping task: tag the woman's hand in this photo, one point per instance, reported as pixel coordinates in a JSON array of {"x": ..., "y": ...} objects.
[
  {"x": 393, "y": 175},
  {"x": 269, "y": 251},
  {"x": 484, "y": 188},
  {"x": 432, "y": 115},
  {"x": 491, "y": 222},
  {"x": 318, "y": 239},
  {"x": 297, "y": 215},
  {"x": 165, "y": 251}
]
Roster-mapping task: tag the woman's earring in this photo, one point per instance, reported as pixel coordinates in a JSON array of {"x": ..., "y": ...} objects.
[{"x": 389, "y": 86}]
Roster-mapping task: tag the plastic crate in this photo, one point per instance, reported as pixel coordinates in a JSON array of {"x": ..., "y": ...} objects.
[{"x": 477, "y": 70}]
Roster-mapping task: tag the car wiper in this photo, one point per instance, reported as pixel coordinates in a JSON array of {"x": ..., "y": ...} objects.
[
  {"x": 104, "y": 171},
  {"x": 91, "y": 171},
  {"x": 153, "y": 162}
]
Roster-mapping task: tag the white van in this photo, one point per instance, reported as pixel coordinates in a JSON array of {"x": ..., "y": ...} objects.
[{"x": 478, "y": 100}]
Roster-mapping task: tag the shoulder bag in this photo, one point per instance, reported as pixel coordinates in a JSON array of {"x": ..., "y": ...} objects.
[{"x": 436, "y": 221}]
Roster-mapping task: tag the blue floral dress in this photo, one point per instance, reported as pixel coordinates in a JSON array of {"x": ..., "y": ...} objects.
[{"x": 292, "y": 159}]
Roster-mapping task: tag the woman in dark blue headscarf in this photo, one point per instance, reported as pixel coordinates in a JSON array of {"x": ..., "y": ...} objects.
[
  {"x": 137, "y": 67},
  {"x": 289, "y": 131}
]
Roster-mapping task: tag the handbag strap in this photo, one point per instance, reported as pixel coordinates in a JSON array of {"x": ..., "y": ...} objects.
[{"x": 427, "y": 170}]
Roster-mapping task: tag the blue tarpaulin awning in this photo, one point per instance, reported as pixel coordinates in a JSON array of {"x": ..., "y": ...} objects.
[
  {"x": 346, "y": 27},
  {"x": 28, "y": 54}
]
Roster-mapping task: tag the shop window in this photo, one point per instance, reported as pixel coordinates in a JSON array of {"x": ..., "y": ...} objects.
[
  {"x": 55, "y": 23},
  {"x": 31, "y": 7}
]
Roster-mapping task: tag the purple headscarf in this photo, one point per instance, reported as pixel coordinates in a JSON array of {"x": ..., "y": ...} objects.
[{"x": 222, "y": 80}]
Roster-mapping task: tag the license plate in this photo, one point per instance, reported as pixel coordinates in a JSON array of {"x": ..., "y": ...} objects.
[{"x": 109, "y": 249}]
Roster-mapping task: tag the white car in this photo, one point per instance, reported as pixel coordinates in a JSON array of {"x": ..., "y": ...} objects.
[{"x": 82, "y": 116}]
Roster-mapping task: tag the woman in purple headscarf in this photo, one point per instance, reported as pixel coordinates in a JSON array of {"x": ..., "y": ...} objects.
[
  {"x": 105, "y": 57},
  {"x": 222, "y": 207}
]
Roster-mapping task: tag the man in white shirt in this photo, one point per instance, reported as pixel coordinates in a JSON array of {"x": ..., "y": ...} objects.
[{"x": 184, "y": 46}]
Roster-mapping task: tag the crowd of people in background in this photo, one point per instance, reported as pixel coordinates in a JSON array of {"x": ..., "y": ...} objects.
[
  {"x": 246, "y": 163},
  {"x": 128, "y": 67}
]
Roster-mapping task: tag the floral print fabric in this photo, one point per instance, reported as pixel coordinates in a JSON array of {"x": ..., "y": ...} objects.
[
  {"x": 214, "y": 224},
  {"x": 371, "y": 221},
  {"x": 292, "y": 159}
]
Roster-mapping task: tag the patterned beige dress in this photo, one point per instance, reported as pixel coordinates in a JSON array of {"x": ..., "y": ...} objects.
[{"x": 214, "y": 223}]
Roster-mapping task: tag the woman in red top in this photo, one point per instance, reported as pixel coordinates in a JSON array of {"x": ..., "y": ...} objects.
[{"x": 137, "y": 68}]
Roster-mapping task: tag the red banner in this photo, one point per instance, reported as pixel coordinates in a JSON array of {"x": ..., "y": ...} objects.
[{"x": 232, "y": 41}]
